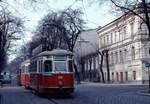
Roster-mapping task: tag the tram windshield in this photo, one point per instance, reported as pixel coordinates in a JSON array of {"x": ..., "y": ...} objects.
[
  {"x": 48, "y": 66},
  {"x": 60, "y": 66}
]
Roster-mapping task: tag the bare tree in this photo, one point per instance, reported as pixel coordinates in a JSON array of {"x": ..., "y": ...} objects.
[
  {"x": 138, "y": 8},
  {"x": 10, "y": 26},
  {"x": 74, "y": 25},
  {"x": 101, "y": 64}
]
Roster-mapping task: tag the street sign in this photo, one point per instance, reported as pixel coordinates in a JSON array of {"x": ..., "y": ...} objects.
[{"x": 147, "y": 64}]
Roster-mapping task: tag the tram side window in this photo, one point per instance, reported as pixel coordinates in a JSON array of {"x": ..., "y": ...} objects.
[
  {"x": 47, "y": 66},
  {"x": 70, "y": 67},
  {"x": 33, "y": 66}
]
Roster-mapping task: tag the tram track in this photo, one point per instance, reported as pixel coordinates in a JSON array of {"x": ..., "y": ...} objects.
[
  {"x": 52, "y": 100},
  {"x": 49, "y": 98}
]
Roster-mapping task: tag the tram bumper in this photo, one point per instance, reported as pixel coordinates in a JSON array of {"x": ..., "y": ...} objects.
[{"x": 57, "y": 90}]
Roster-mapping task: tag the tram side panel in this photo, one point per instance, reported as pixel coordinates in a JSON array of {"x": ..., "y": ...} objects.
[
  {"x": 27, "y": 80},
  {"x": 34, "y": 81},
  {"x": 22, "y": 79}
]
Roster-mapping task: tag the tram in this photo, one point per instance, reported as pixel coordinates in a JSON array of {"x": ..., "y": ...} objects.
[
  {"x": 24, "y": 76},
  {"x": 51, "y": 72}
]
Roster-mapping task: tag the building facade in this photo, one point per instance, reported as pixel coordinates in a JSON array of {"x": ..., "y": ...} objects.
[
  {"x": 86, "y": 56},
  {"x": 126, "y": 38}
]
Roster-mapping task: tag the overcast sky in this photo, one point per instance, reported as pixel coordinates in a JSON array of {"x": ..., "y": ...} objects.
[{"x": 94, "y": 15}]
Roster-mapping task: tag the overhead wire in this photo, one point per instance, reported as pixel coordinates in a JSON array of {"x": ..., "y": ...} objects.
[
  {"x": 85, "y": 12},
  {"x": 72, "y": 4}
]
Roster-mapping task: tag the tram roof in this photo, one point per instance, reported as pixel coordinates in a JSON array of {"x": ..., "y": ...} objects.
[
  {"x": 56, "y": 52},
  {"x": 26, "y": 61}
]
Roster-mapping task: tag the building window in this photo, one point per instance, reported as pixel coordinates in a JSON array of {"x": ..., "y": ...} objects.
[
  {"x": 107, "y": 39},
  {"x": 125, "y": 55},
  {"x": 119, "y": 35},
  {"x": 104, "y": 41},
  {"x": 121, "y": 57},
  {"x": 116, "y": 57},
  {"x": 124, "y": 33},
  {"x": 132, "y": 29},
  {"x": 115, "y": 36},
  {"x": 101, "y": 43},
  {"x": 134, "y": 75},
  {"x": 133, "y": 53},
  {"x": 111, "y": 38}
]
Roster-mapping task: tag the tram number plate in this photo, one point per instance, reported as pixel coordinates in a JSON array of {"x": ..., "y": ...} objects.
[{"x": 60, "y": 77}]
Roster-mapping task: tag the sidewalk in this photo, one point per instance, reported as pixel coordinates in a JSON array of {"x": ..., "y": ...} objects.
[{"x": 112, "y": 84}]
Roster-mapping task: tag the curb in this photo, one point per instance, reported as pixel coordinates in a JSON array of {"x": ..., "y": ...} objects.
[
  {"x": 112, "y": 84},
  {"x": 143, "y": 92}
]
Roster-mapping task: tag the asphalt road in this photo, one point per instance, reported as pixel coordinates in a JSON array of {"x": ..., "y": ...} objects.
[{"x": 86, "y": 93}]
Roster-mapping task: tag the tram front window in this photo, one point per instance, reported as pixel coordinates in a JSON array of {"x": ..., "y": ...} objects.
[
  {"x": 48, "y": 66},
  {"x": 60, "y": 66}
]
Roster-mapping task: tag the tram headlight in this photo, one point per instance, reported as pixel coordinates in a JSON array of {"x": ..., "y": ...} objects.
[{"x": 60, "y": 83}]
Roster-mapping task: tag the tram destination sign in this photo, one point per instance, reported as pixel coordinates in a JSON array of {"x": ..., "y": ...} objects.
[{"x": 147, "y": 64}]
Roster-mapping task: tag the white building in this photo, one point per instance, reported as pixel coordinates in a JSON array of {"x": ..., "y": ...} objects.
[
  {"x": 87, "y": 58},
  {"x": 129, "y": 49}
]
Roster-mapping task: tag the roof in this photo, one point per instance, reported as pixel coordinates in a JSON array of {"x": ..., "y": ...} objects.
[
  {"x": 25, "y": 62},
  {"x": 56, "y": 52},
  {"x": 115, "y": 20}
]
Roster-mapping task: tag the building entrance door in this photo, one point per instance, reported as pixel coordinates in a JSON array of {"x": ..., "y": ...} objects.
[{"x": 121, "y": 77}]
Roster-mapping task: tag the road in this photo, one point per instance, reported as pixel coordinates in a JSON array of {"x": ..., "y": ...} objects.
[{"x": 85, "y": 93}]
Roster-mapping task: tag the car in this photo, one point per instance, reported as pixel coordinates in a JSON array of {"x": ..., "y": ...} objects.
[{"x": 5, "y": 79}]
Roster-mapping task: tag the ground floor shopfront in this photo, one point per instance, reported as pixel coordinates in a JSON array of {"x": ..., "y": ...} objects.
[{"x": 129, "y": 72}]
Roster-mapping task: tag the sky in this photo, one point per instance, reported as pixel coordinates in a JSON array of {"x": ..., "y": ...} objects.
[{"x": 94, "y": 15}]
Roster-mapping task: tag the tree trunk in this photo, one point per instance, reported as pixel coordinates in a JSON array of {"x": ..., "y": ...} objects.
[
  {"x": 101, "y": 69},
  {"x": 83, "y": 70},
  {"x": 90, "y": 70},
  {"x": 107, "y": 65}
]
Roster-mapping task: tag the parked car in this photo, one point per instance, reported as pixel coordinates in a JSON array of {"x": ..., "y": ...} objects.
[{"x": 5, "y": 79}]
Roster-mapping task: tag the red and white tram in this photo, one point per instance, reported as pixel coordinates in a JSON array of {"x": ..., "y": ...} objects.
[
  {"x": 24, "y": 76},
  {"x": 52, "y": 72}
]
